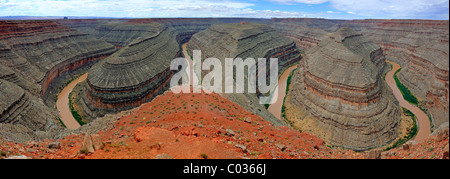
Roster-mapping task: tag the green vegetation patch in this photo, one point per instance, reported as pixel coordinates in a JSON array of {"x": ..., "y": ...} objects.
[
  {"x": 75, "y": 114},
  {"x": 283, "y": 108},
  {"x": 405, "y": 91},
  {"x": 411, "y": 133}
]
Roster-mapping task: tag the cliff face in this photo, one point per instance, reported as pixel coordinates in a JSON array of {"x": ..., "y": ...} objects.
[
  {"x": 136, "y": 73},
  {"x": 22, "y": 115},
  {"x": 421, "y": 47},
  {"x": 400, "y": 38},
  {"x": 427, "y": 76},
  {"x": 418, "y": 45},
  {"x": 46, "y": 49},
  {"x": 33, "y": 55},
  {"x": 338, "y": 93},
  {"x": 304, "y": 36},
  {"x": 122, "y": 34},
  {"x": 246, "y": 41}
]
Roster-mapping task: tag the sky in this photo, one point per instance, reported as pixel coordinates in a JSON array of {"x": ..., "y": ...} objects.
[{"x": 330, "y": 9}]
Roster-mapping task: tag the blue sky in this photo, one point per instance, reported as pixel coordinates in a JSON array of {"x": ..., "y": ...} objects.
[{"x": 331, "y": 9}]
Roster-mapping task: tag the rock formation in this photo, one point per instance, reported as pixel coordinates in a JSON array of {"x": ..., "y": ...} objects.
[
  {"x": 304, "y": 36},
  {"x": 46, "y": 49},
  {"x": 338, "y": 93},
  {"x": 427, "y": 76},
  {"x": 21, "y": 113},
  {"x": 246, "y": 40},
  {"x": 136, "y": 73},
  {"x": 33, "y": 57},
  {"x": 123, "y": 34}
]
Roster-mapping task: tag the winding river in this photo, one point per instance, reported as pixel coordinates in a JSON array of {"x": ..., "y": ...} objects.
[
  {"x": 423, "y": 122},
  {"x": 62, "y": 104},
  {"x": 422, "y": 119},
  {"x": 276, "y": 107}
]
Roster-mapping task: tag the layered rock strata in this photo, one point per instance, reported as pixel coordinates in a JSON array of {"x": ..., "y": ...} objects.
[
  {"x": 136, "y": 73},
  {"x": 123, "y": 34},
  {"x": 338, "y": 93},
  {"x": 46, "y": 49},
  {"x": 427, "y": 76},
  {"x": 399, "y": 38},
  {"x": 22, "y": 113},
  {"x": 246, "y": 40},
  {"x": 304, "y": 37}
]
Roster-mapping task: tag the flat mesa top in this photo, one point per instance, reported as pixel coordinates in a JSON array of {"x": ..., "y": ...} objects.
[{"x": 241, "y": 30}]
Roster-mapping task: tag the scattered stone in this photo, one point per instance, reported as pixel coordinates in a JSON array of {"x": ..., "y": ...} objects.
[
  {"x": 230, "y": 132},
  {"x": 54, "y": 145},
  {"x": 156, "y": 146},
  {"x": 97, "y": 142},
  {"x": 281, "y": 147},
  {"x": 163, "y": 156},
  {"x": 373, "y": 154},
  {"x": 442, "y": 133},
  {"x": 248, "y": 120},
  {"x": 241, "y": 146},
  {"x": 87, "y": 145},
  {"x": 406, "y": 146},
  {"x": 316, "y": 147},
  {"x": 18, "y": 157}
]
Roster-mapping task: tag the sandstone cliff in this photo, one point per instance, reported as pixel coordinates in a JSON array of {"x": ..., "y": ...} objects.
[
  {"x": 22, "y": 115},
  {"x": 339, "y": 95},
  {"x": 46, "y": 49},
  {"x": 136, "y": 73},
  {"x": 427, "y": 76}
]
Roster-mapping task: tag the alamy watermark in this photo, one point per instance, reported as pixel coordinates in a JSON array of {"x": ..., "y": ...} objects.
[{"x": 223, "y": 78}]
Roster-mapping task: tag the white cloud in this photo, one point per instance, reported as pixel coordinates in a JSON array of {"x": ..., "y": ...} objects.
[
  {"x": 300, "y": 1},
  {"x": 385, "y": 8},
  {"x": 112, "y": 8},
  {"x": 142, "y": 8},
  {"x": 434, "y": 9},
  {"x": 393, "y": 8}
]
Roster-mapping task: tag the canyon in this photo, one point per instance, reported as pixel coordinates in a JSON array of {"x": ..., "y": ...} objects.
[
  {"x": 338, "y": 93},
  {"x": 128, "y": 63}
]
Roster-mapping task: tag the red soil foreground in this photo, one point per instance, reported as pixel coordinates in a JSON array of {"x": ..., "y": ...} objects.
[
  {"x": 195, "y": 126},
  {"x": 190, "y": 126}
]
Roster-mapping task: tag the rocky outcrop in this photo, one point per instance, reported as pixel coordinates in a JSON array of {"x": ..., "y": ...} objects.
[
  {"x": 21, "y": 113},
  {"x": 246, "y": 40},
  {"x": 338, "y": 93},
  {"x": 427, "y": 76},
  {"x": 136, "y": 73}
]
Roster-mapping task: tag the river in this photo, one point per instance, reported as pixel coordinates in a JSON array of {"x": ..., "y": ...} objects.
[
  {"x": 276, "y": 107},
  {"x": 62, "y": 104},
  {"x": 422, "y": 119}
]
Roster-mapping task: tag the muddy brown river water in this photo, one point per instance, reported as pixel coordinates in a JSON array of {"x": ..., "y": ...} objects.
[
  {"x": 276, "y": 107},
  {"x": 422, "y": 119},
  {"x": 62, "y": 104}
]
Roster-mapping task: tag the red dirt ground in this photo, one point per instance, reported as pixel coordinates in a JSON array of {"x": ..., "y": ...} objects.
[{"x": 195, "y": 126}]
